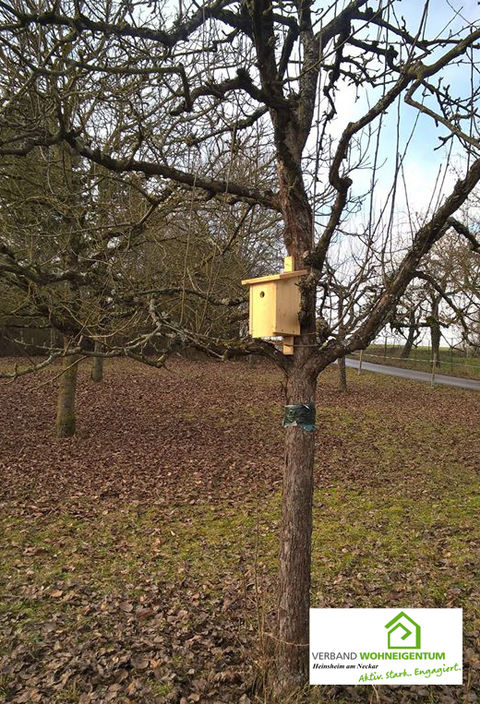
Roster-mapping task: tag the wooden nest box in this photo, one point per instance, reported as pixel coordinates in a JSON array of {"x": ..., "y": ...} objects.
[{"x": 275, "y": 305}]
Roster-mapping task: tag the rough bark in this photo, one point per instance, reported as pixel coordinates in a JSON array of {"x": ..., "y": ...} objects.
[
  {"x": 65, "y": 425},
  {"x": 435, "y": 335},
  {"x": 342, "y": 367},
  {"x": 342, "y": 375},
  {"x": 407, "y": 348},
  {"x": 295, "y": 541},
  {"x": 97, "y": 365},
  {"x": 435, "y": 331},
  {"x": 295, "y": 546}
]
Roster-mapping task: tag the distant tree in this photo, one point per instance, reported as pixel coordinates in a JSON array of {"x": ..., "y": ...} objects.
[
  {"x": 444, "y": 293},
  {"x": 89, "y": 254}
]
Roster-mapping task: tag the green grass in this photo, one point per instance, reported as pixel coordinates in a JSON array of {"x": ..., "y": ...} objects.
[
  {"x": 371, "y": 548},
  {"x": 366, "y": 536},
  {"x": 419, "y": 554},
  {"x": 396, "y": 523},
  {"x": 127, "y": 545}
]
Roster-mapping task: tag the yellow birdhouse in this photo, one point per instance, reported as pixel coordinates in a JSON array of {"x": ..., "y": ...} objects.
[{"x": 275, "y": 304}]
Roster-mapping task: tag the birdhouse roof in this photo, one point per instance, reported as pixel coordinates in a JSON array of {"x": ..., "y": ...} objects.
[{"x": 276, "y": 277}]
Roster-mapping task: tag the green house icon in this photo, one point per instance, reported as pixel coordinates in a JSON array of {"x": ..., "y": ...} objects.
[{"x": 403, "y": 633}]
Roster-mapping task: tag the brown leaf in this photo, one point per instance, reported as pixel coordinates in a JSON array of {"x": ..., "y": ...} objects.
[{"x": 140, "y": 662}]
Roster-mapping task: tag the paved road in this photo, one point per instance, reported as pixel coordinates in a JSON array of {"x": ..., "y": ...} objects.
[{"x": 471, "y": 384}]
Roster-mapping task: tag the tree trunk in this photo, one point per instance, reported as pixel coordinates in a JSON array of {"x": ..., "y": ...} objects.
[
  {"x": 97, "y": 364},
  {"x": 66, "y": 398},
  {"x": 342, "y": 375},
  {"x": 295, "y": 550},
  {"x": 342, "y": 367},
  {"x": 407, "y": 348},
  {"x": 435, "y": 335},
  {"x": 301, "y": 371}
]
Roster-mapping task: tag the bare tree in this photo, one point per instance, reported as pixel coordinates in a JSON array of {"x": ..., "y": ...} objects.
[
  {"x": 444, "y": 293},
  {"x": 214, "y": 72},
  {"x": 88, "y": 254}
]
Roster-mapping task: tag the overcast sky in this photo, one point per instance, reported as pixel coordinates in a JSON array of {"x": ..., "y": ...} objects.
[
  {"x": 422, "y": 162},
  {"x": 424, "y": 166}
]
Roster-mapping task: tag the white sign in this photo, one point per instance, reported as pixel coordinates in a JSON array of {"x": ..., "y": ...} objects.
[{"x": 386, "y": 646}]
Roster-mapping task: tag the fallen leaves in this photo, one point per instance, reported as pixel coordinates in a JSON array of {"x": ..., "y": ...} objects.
[{"x": 130, "y": 564}]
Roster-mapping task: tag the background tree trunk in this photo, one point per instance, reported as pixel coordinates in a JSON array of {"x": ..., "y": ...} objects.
[
  {"x": 407, "y": 348},
  {"x": 342, "y": 375},
  {"x": 435, "y": 335},
  {"x": 435, "y": 330},
  {"x": 342, "y": 367},
  {"x": 97, "y": 364},
  {"x": 65, "y": 425}
]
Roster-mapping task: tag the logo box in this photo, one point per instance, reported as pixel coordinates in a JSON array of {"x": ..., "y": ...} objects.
[{"x": 400, "y": 646}]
